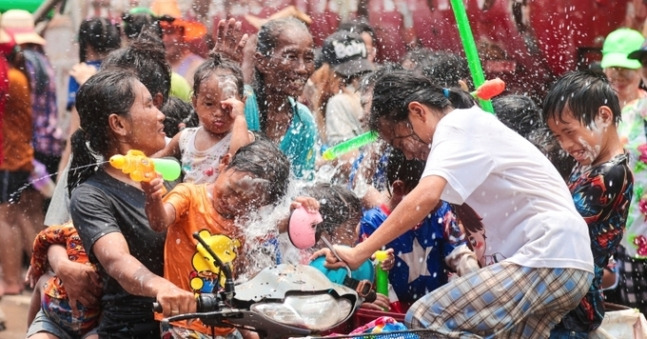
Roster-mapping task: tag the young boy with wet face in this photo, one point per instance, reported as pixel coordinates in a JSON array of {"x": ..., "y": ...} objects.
[{"x": 582, "y": 111}]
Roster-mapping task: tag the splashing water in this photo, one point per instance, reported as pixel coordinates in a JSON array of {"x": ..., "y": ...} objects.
[
  {"x": 263, "y": 242},
  {"x": 14, "y": 197}
]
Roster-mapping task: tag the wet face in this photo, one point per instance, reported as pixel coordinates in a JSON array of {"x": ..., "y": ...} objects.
[
  {"x": 583, "y": 143},
  {"x": 146, "y": 127},
  {"x": 287, "y": 70},
  {"x": 401, "y": 135},
  {"x": 236, "y": 193},
  {"x": 625, "y": 82},
  {"x": 212, "y": 114}
]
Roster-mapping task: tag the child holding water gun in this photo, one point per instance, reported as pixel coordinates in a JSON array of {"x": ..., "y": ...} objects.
[
  {"x": 257, "y": 175},
  {"x": 218, "y": 101},
  {"x": 601, "y": 183},
  {"x": 51, "y": 311},
  {"x": 439, "y": 236}
]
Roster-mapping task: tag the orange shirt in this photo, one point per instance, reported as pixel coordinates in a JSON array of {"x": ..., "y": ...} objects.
[
  {"x": 185, "y": 263},
  {"x": 17, "y": 125}
]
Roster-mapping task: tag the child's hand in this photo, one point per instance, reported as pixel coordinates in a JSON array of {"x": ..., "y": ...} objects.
[
  {"x": 235, "y": 107},
  {"x": 387, "y": 264},
  {"x": 154, "y": 189},
  {"x": 381, "y": 303},
  {"x": 310, "y": 204}
]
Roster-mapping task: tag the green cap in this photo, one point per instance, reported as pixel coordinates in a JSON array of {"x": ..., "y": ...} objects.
[{"x": 617, "y": 46}]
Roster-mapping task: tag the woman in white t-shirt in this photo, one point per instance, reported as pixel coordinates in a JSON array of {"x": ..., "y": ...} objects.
[{"x": 537, "y": 263}]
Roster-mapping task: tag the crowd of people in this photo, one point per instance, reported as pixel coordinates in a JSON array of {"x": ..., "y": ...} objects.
[{"x": 523, "y": 223}]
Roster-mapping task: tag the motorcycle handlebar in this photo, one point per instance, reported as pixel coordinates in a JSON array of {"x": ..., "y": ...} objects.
[{"x": 206, "y": 302}]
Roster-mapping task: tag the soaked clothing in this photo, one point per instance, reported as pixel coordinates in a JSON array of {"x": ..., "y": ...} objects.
[
  {"x": 631, "y": 256},
  {"x": 536, "y": 257},
  {"x": 503, "y": 300},
  {"x": 201, "y": 166},
  {"x": 186, "y": 263},
  {"x": 103, "y": 205},
  {"x": 48, "y": 138},
  {"x": 17, "y": 125},
  {"x": 299, "y": 140},
  {"x": 436, "y": 237},
  {"x": 602, "y": 195},
  {"x": 55, "y": 304}
]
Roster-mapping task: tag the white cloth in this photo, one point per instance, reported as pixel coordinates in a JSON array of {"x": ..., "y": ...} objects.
[
  {"x": 201, "y": 166},
  {"x": 528, "y": 213},
  {"x": 343, "y": 113}
]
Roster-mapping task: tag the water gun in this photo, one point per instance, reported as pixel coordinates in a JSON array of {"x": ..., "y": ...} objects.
[
  {"x": 381, "y": 276},
  {"x": 489, "y": 89},
  {"x": 349, "y": 145},
  {"x": 142, "y": 168}
]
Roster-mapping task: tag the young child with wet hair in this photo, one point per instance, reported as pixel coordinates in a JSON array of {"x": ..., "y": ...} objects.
[
  {"x": 255, "y": 176},
  {"x": 218, "y": 101},
  {"x": 582, "y": 111}
]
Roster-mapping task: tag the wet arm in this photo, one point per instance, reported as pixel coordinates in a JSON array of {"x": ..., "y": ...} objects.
[{"x": 414, "y": 207}]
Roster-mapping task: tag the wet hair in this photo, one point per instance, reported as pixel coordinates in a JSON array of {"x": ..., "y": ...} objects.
[
  {"x": 395, "y": 90},
  {"x": 135, "y": 23},
  {"x": 264, "y": 160},
  {"x": 444, "y": 68},
  {"x": 407, "y": 171},
  {"x": 369, "y": 79},
  {"x": 146, "y": 57},
  {"x": 519, "y": 113},
  {"x": 100, "y": 34},
  {"x": 359, "y": 26},
  {"x": 105, "y": 93},
  {"x": 583, "y": 92},
  {"x": 337, "y": 205},
  {"x": 177, "y": 111},
  {"x": 267, "y": 38},
  {"x": 214, "y": 62}
]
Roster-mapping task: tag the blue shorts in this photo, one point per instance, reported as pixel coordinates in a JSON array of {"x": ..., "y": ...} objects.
[{"x": 42, "y": 323}]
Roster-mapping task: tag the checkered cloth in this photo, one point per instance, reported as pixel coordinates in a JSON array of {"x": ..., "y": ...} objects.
[{"x": 504, "y": 300}]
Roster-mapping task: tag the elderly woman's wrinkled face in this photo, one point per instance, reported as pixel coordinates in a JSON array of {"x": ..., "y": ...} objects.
[{"x": 287, "y": 70}]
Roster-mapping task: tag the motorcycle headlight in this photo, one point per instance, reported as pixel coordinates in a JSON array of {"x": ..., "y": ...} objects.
[{"x": 315, "y": 312}]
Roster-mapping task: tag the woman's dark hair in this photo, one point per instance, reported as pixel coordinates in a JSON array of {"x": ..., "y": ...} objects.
[
  {"x": 395, "y": 90},
  {"x": 146, "y": 57},
  {"x": 444, "y": 68},
  {"x": 100, "y": 34},
  {"x": 583, "y": 92},
  {"x": 337, "y": 205},
  {"x": 407, "y": 171},
  {"x": 267, "y": 38},
  {"x": 264, "y": 160},
  {"x": 105, "y": 93},
  {"x": 518, "y": 112},
  {"x": 214, "y": 62},
  {"x": 177, "y": 111}
]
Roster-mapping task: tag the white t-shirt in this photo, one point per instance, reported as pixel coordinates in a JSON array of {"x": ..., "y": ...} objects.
[
  {"x": 201, "y": 166},
  {"x": 528, "y": 213}
]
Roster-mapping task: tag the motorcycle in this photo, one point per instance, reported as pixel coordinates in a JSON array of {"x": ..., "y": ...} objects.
[{"x": 279, "y": 302}]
